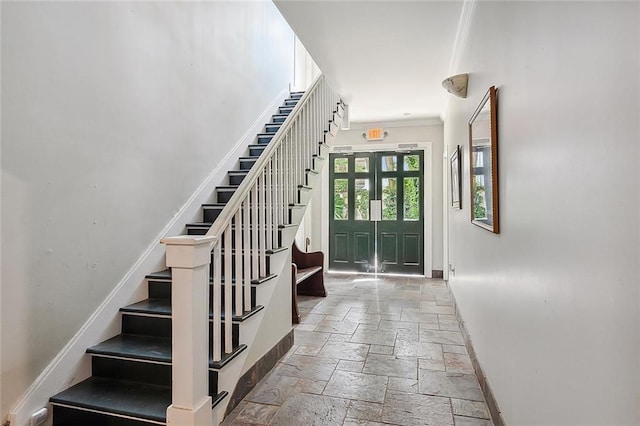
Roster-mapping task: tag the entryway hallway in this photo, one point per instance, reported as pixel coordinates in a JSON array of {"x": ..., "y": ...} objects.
[{"x": 376, "y": 350}]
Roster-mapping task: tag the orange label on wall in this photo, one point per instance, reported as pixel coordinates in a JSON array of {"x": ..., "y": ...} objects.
[{"x": 374, "y": 134}]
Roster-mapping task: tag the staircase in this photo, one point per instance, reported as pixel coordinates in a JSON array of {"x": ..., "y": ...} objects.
[{"x": 133, "y": 372}]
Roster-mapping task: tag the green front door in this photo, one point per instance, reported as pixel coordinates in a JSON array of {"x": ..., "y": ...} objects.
[{"x": 376, "y": 217}]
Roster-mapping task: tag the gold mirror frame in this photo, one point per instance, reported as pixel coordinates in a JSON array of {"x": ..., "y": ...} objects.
[{"x": 483, "y": 163}]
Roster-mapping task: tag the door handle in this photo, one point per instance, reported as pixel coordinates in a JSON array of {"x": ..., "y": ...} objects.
[{"x": 375, "y": 207}]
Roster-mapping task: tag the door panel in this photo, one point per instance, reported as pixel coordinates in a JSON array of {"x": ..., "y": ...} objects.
[
  {"x": 412, "y": 249},
  {"x": 340, "y": 246},
  {"x": 352, "y": 185},
  {"x": 388, "y": 248},
  {"x": 362, "y": 247},
  {"x": 395, "y": 240},
  {"x": 400, "y": 186}
]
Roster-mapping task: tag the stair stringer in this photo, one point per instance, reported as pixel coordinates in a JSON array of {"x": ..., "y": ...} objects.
[{"x": 275, "y": 296}]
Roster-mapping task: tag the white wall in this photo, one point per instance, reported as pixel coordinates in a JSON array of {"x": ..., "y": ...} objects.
[
  {"x": 112, "y": 114},
  {"x": 420, "y": 131},
  {"x": 552, "y": 303},
  {"x": 305, "y": 68}
]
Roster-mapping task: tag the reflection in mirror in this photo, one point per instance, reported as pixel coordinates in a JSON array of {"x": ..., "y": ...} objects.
[{"x": 483, "y": 146}]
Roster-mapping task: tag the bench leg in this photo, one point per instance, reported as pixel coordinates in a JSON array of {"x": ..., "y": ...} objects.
[
  {"x": 295, "y": 315},
  {"x": 313, "y": 286}
]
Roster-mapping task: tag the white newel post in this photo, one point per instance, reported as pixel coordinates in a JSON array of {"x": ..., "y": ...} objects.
[{"x": 189, "y": 257}]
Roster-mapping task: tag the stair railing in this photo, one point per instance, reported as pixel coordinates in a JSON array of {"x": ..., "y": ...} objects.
[
  {"x": 248, "y": 227},
  {"x": 261, "y": 203}
]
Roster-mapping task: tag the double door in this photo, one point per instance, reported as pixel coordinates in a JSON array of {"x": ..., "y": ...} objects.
[{"x": 376, "y": 216}]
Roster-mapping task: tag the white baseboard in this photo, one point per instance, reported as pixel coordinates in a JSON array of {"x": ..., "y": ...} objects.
[{"x": 71, "y": 365}]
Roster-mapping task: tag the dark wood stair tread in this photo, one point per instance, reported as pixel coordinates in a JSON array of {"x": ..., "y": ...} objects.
[
  {"x": 148, "y": 348},
  {"x": 133, "y": 399},
  {"x": 165, "y": 275},
  {"x": 226, "y": 358},
  {"x": 162, "y": 307}
]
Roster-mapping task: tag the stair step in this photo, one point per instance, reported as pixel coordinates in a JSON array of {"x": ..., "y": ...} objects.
[
  {"x": 256, "y": 149},
  {"x": 285, "y": 110},
  {"x": 272, "y": 128},
  {"x": 236, "y": 176},
  {"x": 291, "y": 102},
  {"x": 247, "y": 162},
  {"x": 107, "y": 402},
  {"x": 157, "y": 324},
  {"x": 264, "y": 138},
  {"x": 162, "y": 307},
  {"x": 201, "y": 228},
  {"x": 226, "y": 358},
  {"x": 210, "y": 212},
  {"x": 296, "y": 95},
  {"x": 74, "y": 416},
  {"x": 224, "y": 193},
  {"x": 128, "y": 346},
  {"x": 147, "y": 348},
  {"x": 135, "y": 400},
  {"x": 279, "y": 118},
  {"x": 162, "y": 290},
  {"x": 165, "y": 276}
]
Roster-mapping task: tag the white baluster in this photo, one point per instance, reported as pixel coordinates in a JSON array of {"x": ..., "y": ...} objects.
[
  {"x": 247, "y": 254},
  {"x": 238, "y": 263},
  {"x": 228, "y": 283},
  {"x": 262, "y": 225},
  {"x": 269, "y": 207},
  {"x": 254, "y": 233}
]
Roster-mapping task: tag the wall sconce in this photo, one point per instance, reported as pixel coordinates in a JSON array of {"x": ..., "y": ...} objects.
[{"x": 457, "y": 85}]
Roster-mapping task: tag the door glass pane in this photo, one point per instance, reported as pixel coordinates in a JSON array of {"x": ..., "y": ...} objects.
[
  {"x": 389, "y": 163},
  {"x": 362, "y": 165},
  {"x": 341, "y": 165},
  {"x": 412, "y": 163},
  {"x": 411, "y": 198},
  {"x": 362, "y": 199},
  {"x": 340, "y": 199},
  {"x": 389, "y": 199}
]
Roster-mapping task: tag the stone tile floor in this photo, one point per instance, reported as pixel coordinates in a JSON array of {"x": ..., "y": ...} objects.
[{"x": 375, "y": 351}]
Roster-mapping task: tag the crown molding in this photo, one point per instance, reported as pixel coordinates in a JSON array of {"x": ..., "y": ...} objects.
[{"x": 411, "y": 122}]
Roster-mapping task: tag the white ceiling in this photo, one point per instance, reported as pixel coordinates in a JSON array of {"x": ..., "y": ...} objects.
[{"x": 386, "y": 58}]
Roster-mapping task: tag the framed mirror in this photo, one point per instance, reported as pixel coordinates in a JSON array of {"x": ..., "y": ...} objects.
[{"x": 483, "y": 160}]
